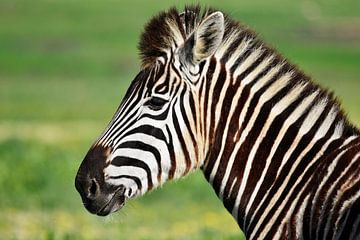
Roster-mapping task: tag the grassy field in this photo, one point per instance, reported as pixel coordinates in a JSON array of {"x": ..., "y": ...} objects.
[{"x": 64, "y": 67}]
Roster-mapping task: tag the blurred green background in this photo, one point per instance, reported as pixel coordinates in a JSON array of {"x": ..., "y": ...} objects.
[{"x": 64, "y": 67}]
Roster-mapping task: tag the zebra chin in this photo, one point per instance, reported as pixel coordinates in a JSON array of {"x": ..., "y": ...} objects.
[
  {"x": 105, "y": 204},
  {"x": 116, "y": 202}
]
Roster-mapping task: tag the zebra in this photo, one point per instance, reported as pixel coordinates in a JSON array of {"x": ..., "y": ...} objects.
[{"x": 210, "y": 95}]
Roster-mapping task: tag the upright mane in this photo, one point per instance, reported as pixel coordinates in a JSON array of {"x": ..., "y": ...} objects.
[{"x": 169, "y": 29}]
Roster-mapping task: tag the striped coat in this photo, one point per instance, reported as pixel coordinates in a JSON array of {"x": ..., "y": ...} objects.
[{"x": 275, "y": 146}]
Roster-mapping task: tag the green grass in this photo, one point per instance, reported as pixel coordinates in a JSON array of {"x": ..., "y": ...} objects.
[{"x": 64, "y": 67}]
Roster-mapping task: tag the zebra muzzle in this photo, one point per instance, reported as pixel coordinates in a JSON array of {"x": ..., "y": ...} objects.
[
  {"x": 116, "y": 202},
  {"x": 98, "y": 196}
]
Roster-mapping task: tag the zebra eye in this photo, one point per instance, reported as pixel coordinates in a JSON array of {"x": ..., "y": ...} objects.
[{"x": 156, "y": 103}]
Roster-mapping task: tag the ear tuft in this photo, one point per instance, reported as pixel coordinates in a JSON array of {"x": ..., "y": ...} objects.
[
  {"x": 204, "y": 41},
  {"x": 208, "y": 36}
]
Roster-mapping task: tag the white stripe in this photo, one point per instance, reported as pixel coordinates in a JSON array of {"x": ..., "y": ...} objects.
[
  {"x": 160, "y": 146},
  {"x": 175, "y": 31},
  {"x": 178, "y": 149},
  {"x": 261, "y": 83},
  {"x": 300, "y": 218},
  {"x": 349, "y": 139},
  {"x": 346, "y": 205},
  {"x": 129, "y": 183},
  {"x": 248, "y": 61},
  {"x": 146, "y": 157},
  {"x": 339, "y": 193},
  {"x": 341, "y": 229},
  {"x": 311, "y": 118},
  {"x": 289, "y": 121},
  {"x": 234, "y": 104},
  {"x": 306, "y": 126},
  {"x": 209, "y": 104},
  {"x": 232, "y": 186},
  {"x": 261, "y": 67},
  {"x": 275, "y": 111},
  {"x": 202, "y": 111},
  {"x": 226, "y": 43},
  {"x": 119, "y": 120},
  {"x": 162, "y": 79},
  {"x": 185, "y": 133},
  {"x": 267, "y": 95},
  {"x": 113, "y": 171},
  {"x": 355, "y": 228},
  {"x": 240, "y": 50},
  {"x": 256, "y": 87},
  {"x": 220, "y": 103}
]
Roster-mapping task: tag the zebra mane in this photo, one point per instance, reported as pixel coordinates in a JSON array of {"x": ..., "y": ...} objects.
[{"x": 169, "y": 29}]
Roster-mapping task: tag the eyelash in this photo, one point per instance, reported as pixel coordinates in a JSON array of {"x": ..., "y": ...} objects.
[{"x": 156, "y": 103}]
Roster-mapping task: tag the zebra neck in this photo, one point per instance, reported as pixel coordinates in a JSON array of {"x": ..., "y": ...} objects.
[{"x": 265, "y": 124}]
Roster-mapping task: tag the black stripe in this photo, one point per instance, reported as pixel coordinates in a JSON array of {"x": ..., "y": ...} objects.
[
  {"x": 164, "y": 87},
  {"x": 253, "y": 46},
  {"x": 233, "y": 46},
  {"x": 256, "y": 97},
  {"x": 309, "y": 179},
  {"x": 214, "y": 142},
  {"x": 171, "y": 153},
  {"x": 144, "y": 147},
  {"x": 185, "y": 118},
  {"x": 265, "y": 147},
  {"x": 118, "y": 129},
  {"x": 134, "y": 178},
  {"x": 209, "y": 78},
  {"x": 149, "y": 130},
  {"x": 309, "y": 226},
  {"x": 179, "y": 135},
  {"x": 128, "y": 161},
  {"x": 303, "y": 143},
  {"x": 159, "y": 117},
  {"x": 342, "y": 164},
  {"x": 239, "y": 164},
  {"x": 252, "y": 137},
  {"x": 110, "y": 133},
  {"x": 192, "y": 107}
]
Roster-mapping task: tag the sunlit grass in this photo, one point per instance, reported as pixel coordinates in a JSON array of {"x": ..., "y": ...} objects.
[
  {"x": 37, "y": 176},
  {"x": 60, "y": 224},
  {"x": 41, "y": 202}
]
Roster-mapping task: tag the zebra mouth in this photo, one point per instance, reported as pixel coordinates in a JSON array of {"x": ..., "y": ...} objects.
[{"x": 114, "y": 204}]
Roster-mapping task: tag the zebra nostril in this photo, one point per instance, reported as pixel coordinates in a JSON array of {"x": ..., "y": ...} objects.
[{"x": 93, "y": 188}]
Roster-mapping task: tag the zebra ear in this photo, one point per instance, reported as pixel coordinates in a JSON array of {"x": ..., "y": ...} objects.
[{"x": 205, "y": 39}]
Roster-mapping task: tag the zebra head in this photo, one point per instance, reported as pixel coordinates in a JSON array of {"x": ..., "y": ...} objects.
[{"x": 156, "y": 133}]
